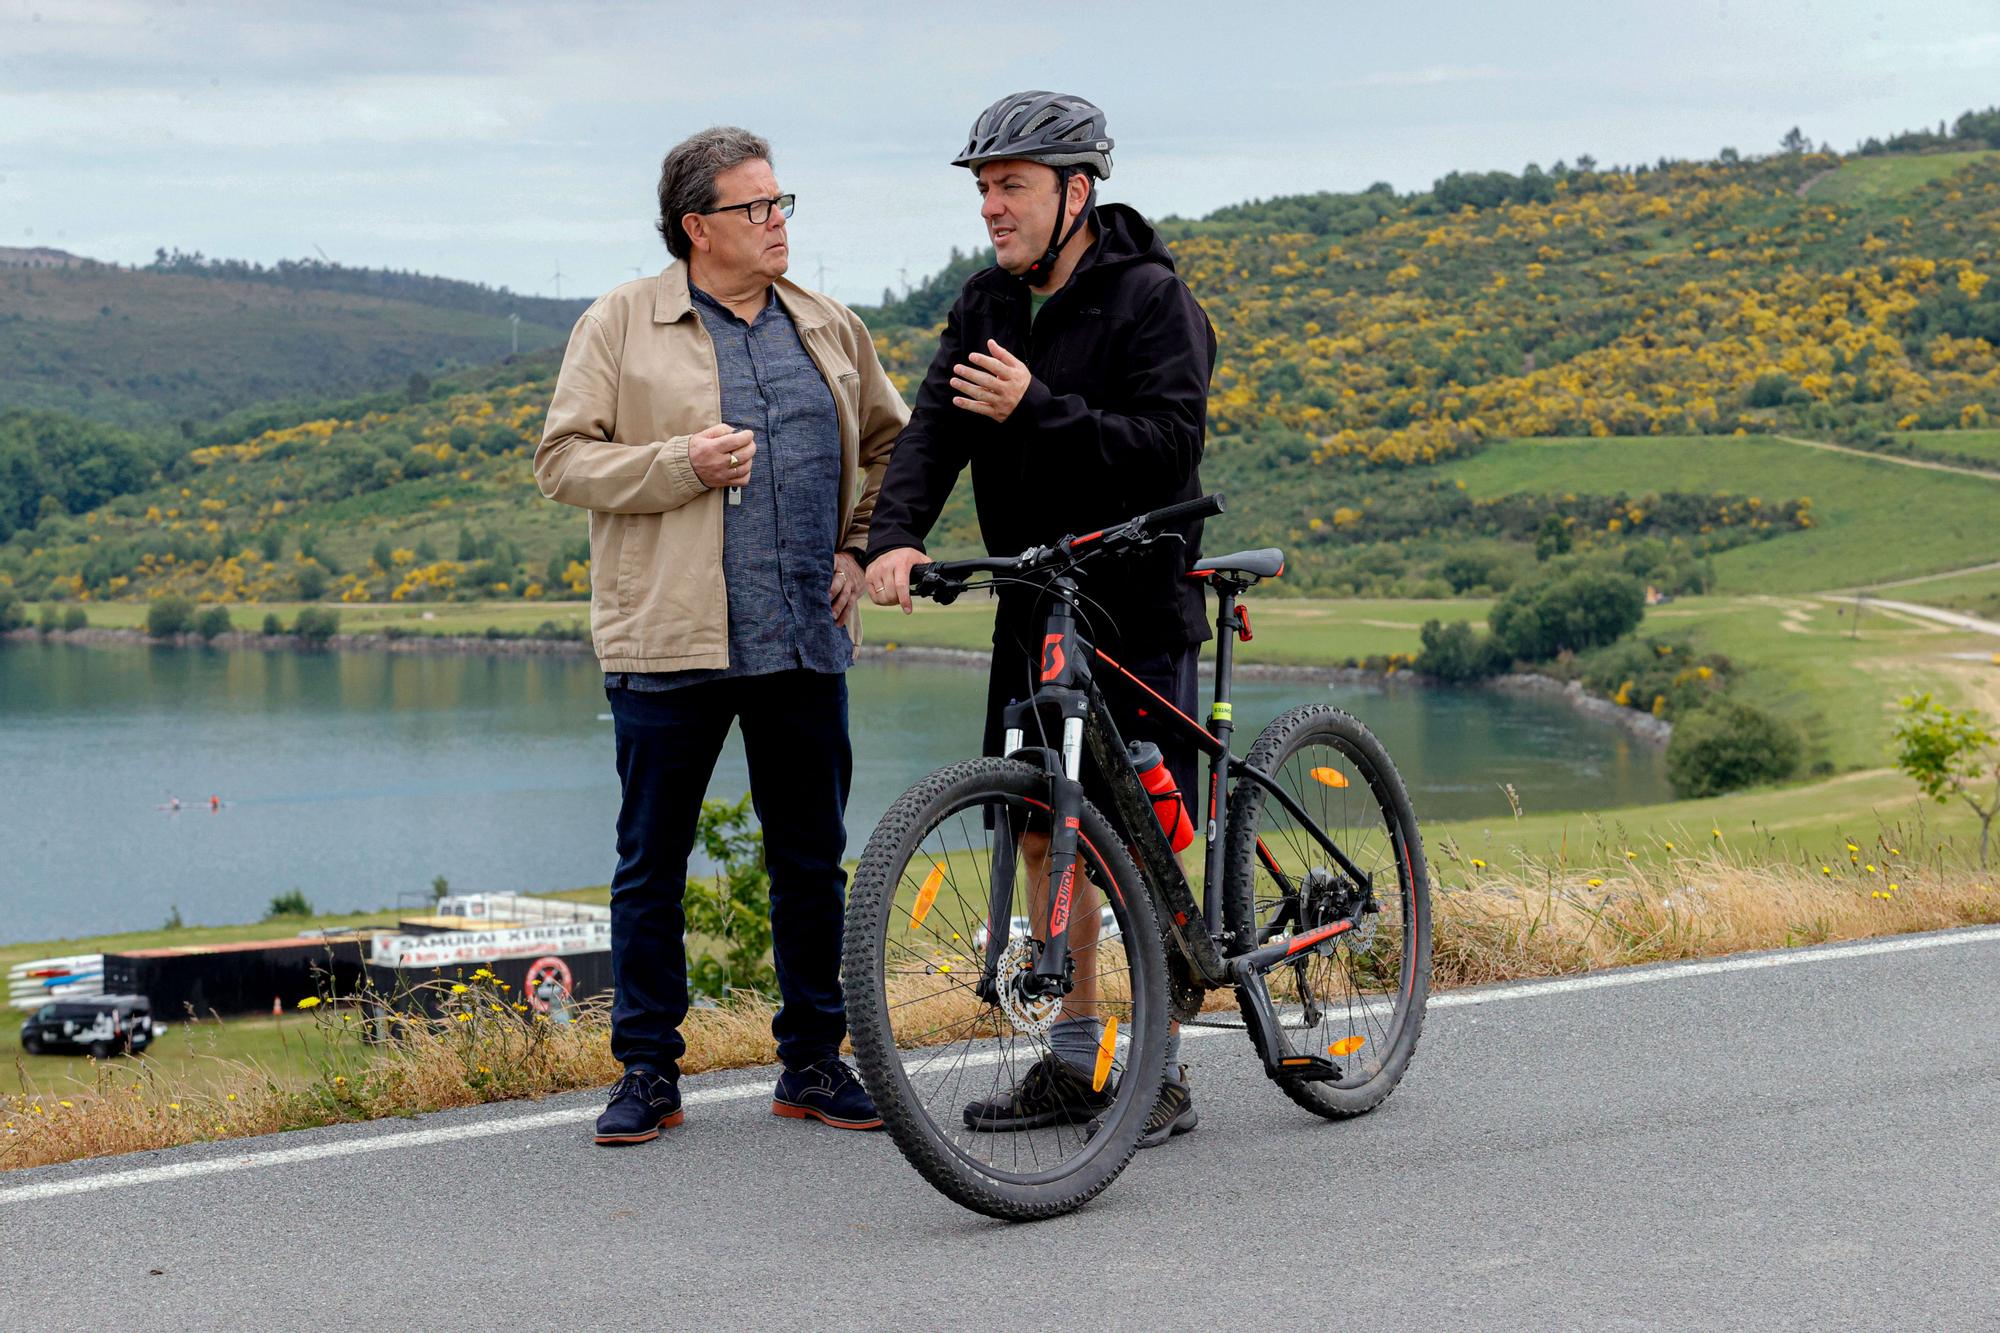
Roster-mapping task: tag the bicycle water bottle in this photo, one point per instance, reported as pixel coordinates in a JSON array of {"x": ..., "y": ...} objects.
[{"x": 1158, "y": 780}]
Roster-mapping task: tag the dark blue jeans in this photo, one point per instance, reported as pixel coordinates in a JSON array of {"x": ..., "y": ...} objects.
[{"x": 795, "y": 738}]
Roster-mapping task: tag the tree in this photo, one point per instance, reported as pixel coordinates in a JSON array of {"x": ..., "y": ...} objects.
[
  {"x": 1457, "y": 654},
  {"x": 169, "y": 616},
  {"x": 1794, "y": 142},
  {"x": 1726, "y": 746},
  {"x": 1552, "y": 539},
  {"x": 213, "y": 621},
  {"x": 1949, "y": 754},
  {"x": 316, "y": 625},
  {"x": 732, "y": 908},
  {"x": 1538, "y": 621}
]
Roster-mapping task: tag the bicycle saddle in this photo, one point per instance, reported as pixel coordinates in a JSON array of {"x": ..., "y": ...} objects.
[{"x": 1266, "y": 563}]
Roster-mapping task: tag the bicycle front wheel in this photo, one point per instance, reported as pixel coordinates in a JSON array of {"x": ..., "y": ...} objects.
[
  {"x": 1359, "y": 998},
  {"x": 1016, "y": 1106}
]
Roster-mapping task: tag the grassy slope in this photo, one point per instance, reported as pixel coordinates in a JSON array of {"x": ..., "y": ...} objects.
[
  {"x": 1980, "y": 444},
  {"x": 1875, "y": 519},
  {"x": 1867, "y": 180},
  {"x": 138, "y": 347}
]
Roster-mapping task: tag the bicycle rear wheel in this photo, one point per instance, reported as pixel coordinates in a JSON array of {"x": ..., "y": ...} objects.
[
  {"x": 931, "y": 1047},
  {"x": 1357, "y": 999}
]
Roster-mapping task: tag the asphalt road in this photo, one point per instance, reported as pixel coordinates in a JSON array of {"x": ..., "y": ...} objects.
[{"x": 1806, "y": 1145}]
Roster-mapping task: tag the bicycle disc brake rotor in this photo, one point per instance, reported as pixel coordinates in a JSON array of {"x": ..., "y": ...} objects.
[{"x": 1034, "y": 1016}]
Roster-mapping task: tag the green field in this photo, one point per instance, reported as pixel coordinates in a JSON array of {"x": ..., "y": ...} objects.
[
  {"x": 1865, "y": 510},
  {"x": 1975, "y": 593},
  {"x": 1979, "y": 444},
  {"x": 1288, "y": 631},
  {"x": 1867, "y": 179}
]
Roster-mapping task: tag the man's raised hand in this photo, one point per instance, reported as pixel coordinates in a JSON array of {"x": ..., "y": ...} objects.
[
  {"x": 991, "y": 386},
  {"x": 721, "y": 456}
]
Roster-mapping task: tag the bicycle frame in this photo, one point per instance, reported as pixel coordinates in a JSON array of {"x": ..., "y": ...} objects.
[{"x": 1067, "y": 689}]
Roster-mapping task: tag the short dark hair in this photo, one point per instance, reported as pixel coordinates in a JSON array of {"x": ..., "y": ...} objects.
[{"x": 687, "y": 176}]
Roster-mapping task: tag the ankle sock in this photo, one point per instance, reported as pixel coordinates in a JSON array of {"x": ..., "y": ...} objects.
[{"x": 1074, "y": 1040}]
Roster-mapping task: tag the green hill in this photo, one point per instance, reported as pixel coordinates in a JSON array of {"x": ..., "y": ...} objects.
[
  {"x": 189, "y": 340},
  {"x": 1416, "y": 395}
]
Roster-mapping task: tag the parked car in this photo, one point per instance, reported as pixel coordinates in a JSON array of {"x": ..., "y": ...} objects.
[{"x": 103, "y": 1025}]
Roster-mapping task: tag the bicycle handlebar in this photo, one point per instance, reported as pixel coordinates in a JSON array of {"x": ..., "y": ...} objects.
[{"x": 943, "y": 580}]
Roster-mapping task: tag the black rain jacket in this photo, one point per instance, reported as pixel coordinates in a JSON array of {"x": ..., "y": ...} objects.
[{"x": 1112, "y": 426}]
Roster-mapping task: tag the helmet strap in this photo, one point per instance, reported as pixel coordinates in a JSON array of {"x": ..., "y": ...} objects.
[{"x": 1059, "y": 236}]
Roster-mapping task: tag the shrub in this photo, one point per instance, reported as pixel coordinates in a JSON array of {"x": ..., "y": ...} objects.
[
  {"x": 169, "y": 616},
  {"x": 51, "y": 618},
  {"x": 75, "y": 618},
  {"x": 1581, "y": 610},
  {"x": 292, "y": 902},
  {"x": 273, "y": 625},
  {"x": 212, "y": 622},
  {"x": 11, "y": 614},
  {"x": 1457, "y": 653},
  {"x": 1652, "y": 675},
  {"x": 732, "y": 908},
  {"x": 1726, "y": 746},
  {"x": 315, "y": 624},
  {"x": 311, "y": 582}
]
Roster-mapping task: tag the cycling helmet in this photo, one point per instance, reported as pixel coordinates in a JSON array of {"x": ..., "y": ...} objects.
[{"x": 1055, "y": 129}]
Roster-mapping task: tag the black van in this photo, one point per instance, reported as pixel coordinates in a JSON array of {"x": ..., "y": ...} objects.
[{"x": 103, "y": 1025}]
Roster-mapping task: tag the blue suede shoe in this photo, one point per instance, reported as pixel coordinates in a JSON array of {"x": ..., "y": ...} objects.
[
  {"x": 642, "y": 1104},
  {"x": 827, "y": 1091}
]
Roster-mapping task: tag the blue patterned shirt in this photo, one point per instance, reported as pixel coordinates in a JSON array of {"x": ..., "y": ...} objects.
[{"x": 778, "y": 544}]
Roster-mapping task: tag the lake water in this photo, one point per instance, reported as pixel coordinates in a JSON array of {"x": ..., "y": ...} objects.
[{"x": 358, "y": 776}]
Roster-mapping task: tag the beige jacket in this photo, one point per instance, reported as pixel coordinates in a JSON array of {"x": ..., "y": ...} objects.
[{"x": 638, "y": 380}]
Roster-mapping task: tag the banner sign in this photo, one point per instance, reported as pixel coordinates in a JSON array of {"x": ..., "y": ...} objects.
[{"x": 480, "y": 946}]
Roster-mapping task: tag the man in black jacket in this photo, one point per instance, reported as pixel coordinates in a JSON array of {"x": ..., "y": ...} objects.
[{"x": 1073, "y": 377}]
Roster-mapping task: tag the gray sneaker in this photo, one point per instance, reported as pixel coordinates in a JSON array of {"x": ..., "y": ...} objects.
[{"x": 1172, "y": 1114}]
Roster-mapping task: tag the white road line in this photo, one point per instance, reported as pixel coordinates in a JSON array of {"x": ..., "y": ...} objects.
[{"x": 522, "y": 1124}]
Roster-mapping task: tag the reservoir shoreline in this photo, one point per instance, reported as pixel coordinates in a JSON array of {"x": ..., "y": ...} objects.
[{"x": 1644, "y": 726}]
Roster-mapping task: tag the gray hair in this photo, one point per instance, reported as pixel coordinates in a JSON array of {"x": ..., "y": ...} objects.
[{"x": 687, "y": 177}]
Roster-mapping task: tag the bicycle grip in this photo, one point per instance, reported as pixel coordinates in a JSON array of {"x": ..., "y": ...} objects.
[{"x": 1202, "y": 506}]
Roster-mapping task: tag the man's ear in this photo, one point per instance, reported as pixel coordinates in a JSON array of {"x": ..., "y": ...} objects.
[
  {"x": 1079, "y": 195},
  {"x": 696, "y": 227}
]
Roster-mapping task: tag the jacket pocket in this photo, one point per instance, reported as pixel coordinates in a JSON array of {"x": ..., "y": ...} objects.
[{"x": 638, "y": 542}]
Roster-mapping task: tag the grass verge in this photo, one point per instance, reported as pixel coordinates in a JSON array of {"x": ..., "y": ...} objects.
[{"x": 1538, "y": 917}]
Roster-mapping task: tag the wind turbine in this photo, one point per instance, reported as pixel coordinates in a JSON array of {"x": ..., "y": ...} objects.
[
  {"x": 558, "y": 279},
  {"x": 514, "y": 331}
]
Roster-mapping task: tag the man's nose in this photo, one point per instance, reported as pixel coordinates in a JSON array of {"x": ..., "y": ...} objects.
[{"x": 991, "y": 207}]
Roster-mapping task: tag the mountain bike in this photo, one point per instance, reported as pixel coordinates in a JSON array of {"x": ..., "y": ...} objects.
[{"x": 973, "y": 925}]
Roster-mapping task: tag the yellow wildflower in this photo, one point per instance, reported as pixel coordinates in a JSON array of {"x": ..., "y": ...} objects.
[{"x": 310, "y": 1002}]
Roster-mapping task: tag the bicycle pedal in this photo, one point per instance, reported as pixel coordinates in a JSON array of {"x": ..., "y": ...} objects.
[{"x": 1307, "y": 1069}]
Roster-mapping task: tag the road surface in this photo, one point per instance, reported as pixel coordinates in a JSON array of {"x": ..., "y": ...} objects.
[{"x": 1799, "y": 1140}]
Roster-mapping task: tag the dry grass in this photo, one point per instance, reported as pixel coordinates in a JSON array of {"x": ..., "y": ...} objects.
[
  {"x": 1663, "y": 902},
  {"x": 1657, "y": 903}
]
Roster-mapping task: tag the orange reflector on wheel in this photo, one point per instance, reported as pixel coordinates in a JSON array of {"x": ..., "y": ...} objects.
[
  {"x": 1104, "y": 1045},
  {"x": 1346, "y": 1046},
  {"x": 1332, "y": 777},
  {"x": 927, "y": 895}
]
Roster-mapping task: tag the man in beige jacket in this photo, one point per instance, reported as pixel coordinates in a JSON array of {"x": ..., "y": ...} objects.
[{"x": 727, "y": 430}]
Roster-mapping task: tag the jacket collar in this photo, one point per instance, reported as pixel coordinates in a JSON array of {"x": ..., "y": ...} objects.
[{"x": 672, "y": 302}]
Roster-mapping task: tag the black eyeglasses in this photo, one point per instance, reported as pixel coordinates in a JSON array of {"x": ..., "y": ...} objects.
[{"x": 758, "y": 210}]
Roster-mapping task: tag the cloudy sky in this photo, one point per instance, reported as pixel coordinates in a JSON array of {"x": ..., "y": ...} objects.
[{"x": 501, "y": 142}]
